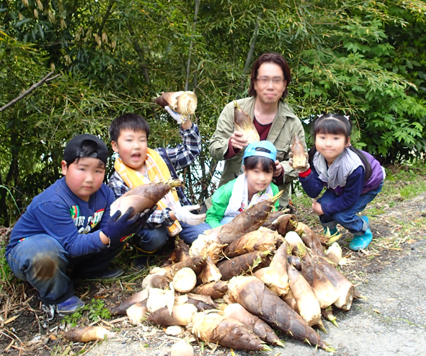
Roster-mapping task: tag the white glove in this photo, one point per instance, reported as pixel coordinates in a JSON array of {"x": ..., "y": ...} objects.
[
  {"x": 183, "y": 215},
  {"x": 174, "y": 114}
]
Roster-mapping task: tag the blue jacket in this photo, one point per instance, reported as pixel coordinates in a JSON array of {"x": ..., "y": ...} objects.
[
  {"x": 59, "y": 213},
  {"x": 348, "y": 194}
]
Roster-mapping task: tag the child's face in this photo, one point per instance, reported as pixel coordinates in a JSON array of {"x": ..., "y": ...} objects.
[
  {"x": 131, "y": 146},
  {"x": 257, "y": 179},
  {"x": 84, "y": 177},
  {"x": 330, "y": 145}
]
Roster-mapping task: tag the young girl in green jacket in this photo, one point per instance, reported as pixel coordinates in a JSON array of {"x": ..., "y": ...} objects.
[{"x": 251, "y": 187}]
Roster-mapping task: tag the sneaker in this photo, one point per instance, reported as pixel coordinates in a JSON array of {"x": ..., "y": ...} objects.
[
  {"x": 66, "y": 307},
  {"x": 107, "y": 274},
  {"x": 70, "y": 305},
  {"x": 361, "y": 242},
  {"x": 140, "y": 262}
]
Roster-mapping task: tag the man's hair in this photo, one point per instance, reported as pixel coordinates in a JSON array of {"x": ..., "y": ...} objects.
[
  {"x": 270, "y": 58},
  {"x": 127, "y": 121}
]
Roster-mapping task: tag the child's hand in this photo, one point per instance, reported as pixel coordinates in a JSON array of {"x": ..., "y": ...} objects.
[
  {"x": 176, "y": 116},
  {"x": 316, "y": 207},
  {"x": 184, "y": 215},
  {"x": 299, "y": 169},
  {"x": 119, "y": 226}
]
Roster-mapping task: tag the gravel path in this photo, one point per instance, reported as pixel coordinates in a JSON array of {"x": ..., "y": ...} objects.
[{"x": 391, "y": 320}]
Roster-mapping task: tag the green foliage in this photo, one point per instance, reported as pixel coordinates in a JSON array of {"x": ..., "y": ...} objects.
[
  {"x": 94, "y": 310},
  {"x": 363, "y": 59}
]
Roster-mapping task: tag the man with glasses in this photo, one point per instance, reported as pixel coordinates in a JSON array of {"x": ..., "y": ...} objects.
[{"x": 272, "y": 118}]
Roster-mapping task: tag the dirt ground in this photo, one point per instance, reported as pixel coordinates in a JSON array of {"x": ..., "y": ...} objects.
[{"x": 390, "y": 320}]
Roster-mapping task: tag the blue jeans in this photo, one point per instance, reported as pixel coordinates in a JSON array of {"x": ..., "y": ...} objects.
[
  {"x": 348, "y": 218},
  {"x": 154, "y": 239},
  {"x": 43, "y": 262}
]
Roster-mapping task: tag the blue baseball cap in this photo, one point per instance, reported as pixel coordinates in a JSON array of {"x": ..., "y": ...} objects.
[{"x": 261, "y": 149}]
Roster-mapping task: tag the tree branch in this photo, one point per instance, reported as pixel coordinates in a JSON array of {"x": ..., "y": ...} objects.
[
  {"x": 252, "y": 46},
  {"x": 139, "y": 51},
  {"x": 26, "y": 92},
  {"x": 188, "y": 66},
  {"x": 105, "y": 18}
]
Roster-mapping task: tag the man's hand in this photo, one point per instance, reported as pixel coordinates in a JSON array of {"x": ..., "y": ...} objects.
[
  {"x": 278, "y": 169},
  {"x": 237, "y": 141},
  {"x": 316, "y": 207}
]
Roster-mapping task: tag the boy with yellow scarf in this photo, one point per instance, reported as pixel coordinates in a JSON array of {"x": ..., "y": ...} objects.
[{"x": 137, "y": 164}]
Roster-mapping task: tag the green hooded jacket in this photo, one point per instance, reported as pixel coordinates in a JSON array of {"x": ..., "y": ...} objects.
[{"x": 220, "y": 201}]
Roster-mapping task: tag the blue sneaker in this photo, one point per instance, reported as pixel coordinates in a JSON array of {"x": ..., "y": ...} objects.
[
  {"x": 68, "y": 306},
  {"x": 361, "y": 242}
]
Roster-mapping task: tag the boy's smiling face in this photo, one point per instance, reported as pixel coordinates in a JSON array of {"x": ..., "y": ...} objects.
[
  {"x": 84, "y": 176},
  {"x": 132, "y": 147}
]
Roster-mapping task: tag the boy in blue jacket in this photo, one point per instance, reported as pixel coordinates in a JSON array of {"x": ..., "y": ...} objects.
[{"x": 68, "y": 227}]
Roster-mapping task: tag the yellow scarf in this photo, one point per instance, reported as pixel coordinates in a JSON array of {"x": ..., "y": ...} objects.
[{"x": 157, "y": 172}]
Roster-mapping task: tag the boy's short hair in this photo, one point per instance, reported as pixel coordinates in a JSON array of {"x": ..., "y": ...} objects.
[
  {"x": 127, "y": 121},
  {"x": 85, "y": 145}
]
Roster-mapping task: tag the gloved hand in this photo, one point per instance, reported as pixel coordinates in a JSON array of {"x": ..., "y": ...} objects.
[
  {"x": 118, "y": 227},
  {"x": 183, "y": 215},
  {"x": 174, "y": 114},
  {"x": 301, "y": 169}
]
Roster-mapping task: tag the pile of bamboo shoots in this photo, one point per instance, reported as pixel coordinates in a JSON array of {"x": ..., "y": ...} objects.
[{"x": 239, "y": 282}]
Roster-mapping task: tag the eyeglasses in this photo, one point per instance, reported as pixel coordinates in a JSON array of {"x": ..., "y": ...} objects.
[{"x": 266, "y": 80}]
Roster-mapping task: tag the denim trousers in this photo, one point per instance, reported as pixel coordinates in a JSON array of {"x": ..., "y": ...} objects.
[
  {"x": 154, "y": 239},
  {"x": 348, "y": 218},
  {"x": 43, "y": 262}
]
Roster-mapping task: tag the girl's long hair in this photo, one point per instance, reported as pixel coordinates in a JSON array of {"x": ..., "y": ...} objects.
[{"x": 336, "y": 124}]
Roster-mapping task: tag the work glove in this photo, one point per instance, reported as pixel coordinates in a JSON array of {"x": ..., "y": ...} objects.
[
  {"x": 174, "y": 114},
  {"x": 302, "y": 169},
  {"x": 184, "y": 215},
  {"x": 118, "y": 228}
]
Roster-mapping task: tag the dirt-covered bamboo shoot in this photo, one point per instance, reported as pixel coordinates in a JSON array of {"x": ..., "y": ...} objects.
[
  {"x": 183, "y": 102},
  {"x": 181, "y": 315},
  {"x": 210, "y": 273},
  {"x": 262, "y": 239},
  {"x": 137, "y": 313},
  {"x": 310, "y": 239},
  {"x": 300, "y": 160},
  {"x": 255, "y": 297},
  {"x": 244, "y": 124},
  {"x": 334, "y": 253},
  {"x": 237, "y": 265},
  {"x": 214, "y": 289},
  {"x": 253, "y": 323},
  {"x": 249, "y": 220},
  {"x": 184, "y": 280},
  {"x": 343, "y": 286},
  {"x": 307, "y": 303},
  {"x": 89, "y": 333},
  {"x": 214, "y": 328},
  {"x": 128, "y": 302},
  {"x": 143, "y": 196}
]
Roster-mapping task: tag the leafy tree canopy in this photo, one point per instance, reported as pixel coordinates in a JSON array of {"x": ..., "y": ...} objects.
[{"x": 362, "y": 58}]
